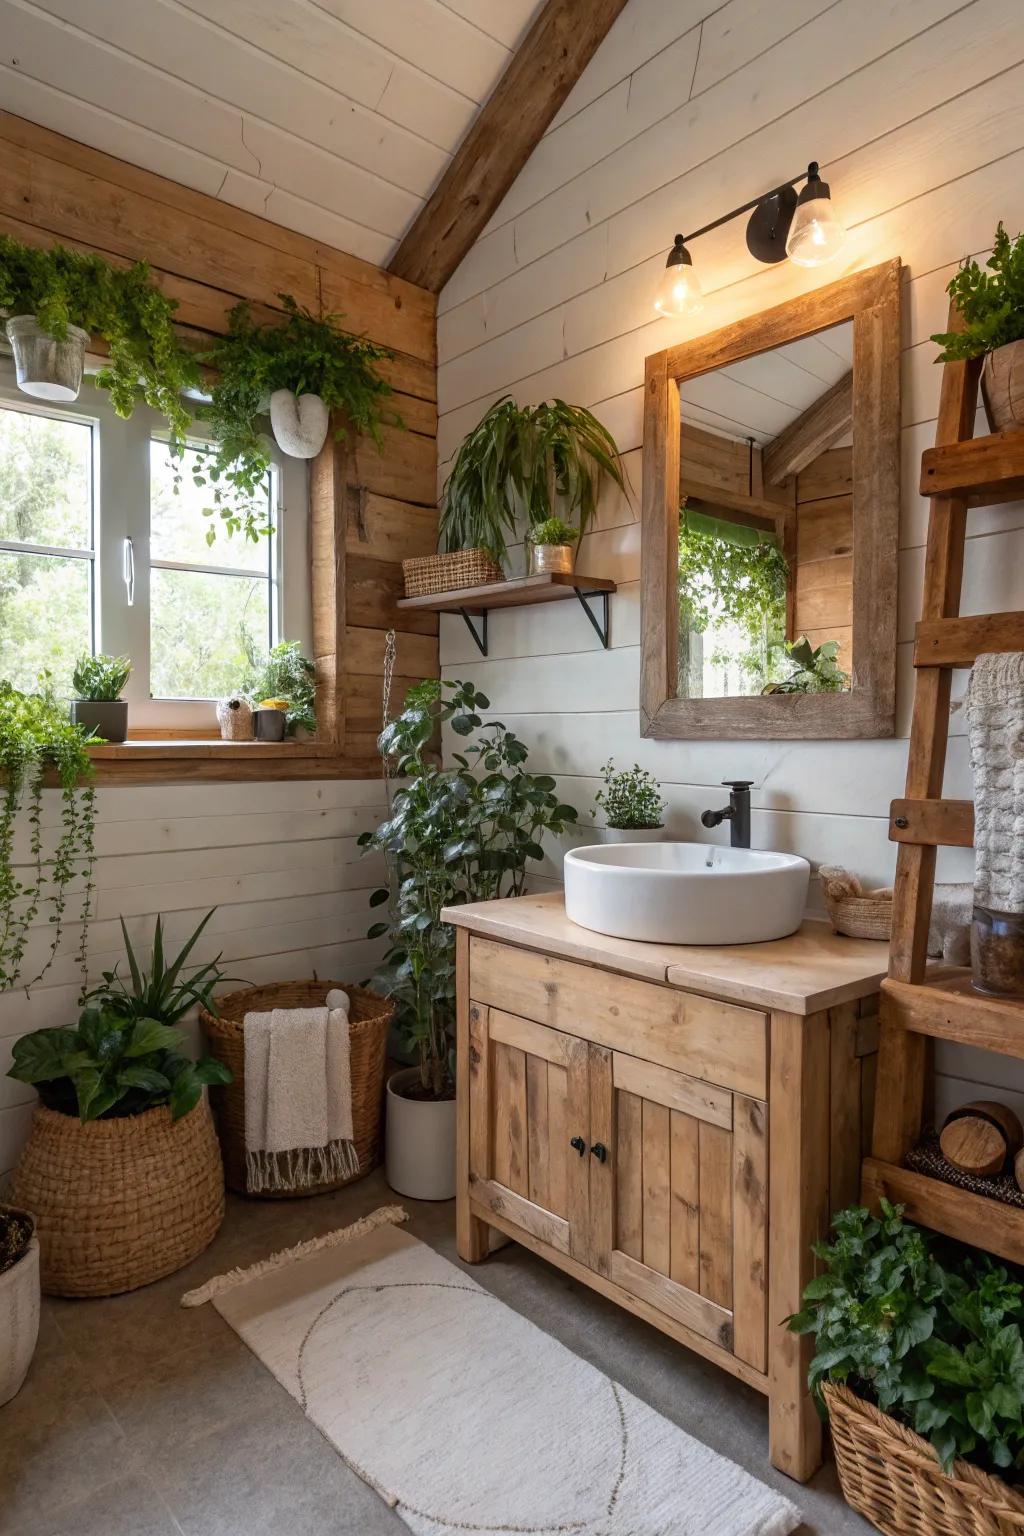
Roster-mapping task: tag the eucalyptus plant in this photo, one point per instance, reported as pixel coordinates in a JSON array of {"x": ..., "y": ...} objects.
[
  {"x": 36, "y": 736},
  {"x": 541, "y": 461},
  {"x": 991, "y": 302},
  {"x": 304, "y": 353},
  {"x": 453, "y": 835}
]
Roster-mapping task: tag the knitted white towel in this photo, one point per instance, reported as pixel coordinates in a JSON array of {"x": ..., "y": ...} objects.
[
  {"x": 995, "y": 722},
  {"x": 298, "y": 1099}
]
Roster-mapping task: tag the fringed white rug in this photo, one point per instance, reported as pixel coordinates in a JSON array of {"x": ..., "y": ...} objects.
[{"x": 465, "y": 1418}]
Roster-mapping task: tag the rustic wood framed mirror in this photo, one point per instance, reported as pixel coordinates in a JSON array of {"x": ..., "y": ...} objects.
[{"x": 771, "y": 493}]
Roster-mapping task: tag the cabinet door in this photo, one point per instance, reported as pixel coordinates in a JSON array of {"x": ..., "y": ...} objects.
[
  {"x": 678, "y": 1205},
  {"x": 529, "y": 1127}
]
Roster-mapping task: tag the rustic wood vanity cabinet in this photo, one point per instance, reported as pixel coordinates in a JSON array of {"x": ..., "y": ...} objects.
[{"x": 672, "y": 1126}]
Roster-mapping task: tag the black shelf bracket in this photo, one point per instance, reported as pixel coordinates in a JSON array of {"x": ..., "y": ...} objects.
[
  {"x": 600, "y": 625},
  {"x": 479, "y": 635}
]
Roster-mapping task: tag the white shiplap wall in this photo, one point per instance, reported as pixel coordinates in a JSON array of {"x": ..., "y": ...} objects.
[
  {"x": 279, "y": 861},
  {"x": 334, "y": 118},
  {"x": 915, "y": 109}
]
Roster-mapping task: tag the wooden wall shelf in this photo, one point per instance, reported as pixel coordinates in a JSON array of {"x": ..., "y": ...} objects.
[{"x": 521, "y": 592}]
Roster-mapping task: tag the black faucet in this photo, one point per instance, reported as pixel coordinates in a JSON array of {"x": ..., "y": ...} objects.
[{"x": 736, "y": 813}]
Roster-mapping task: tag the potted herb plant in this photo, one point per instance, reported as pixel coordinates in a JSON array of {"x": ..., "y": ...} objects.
[
  {"x": 632, "y": 803},
  {"x": 991, "y": 305},
  {"x": 919, "y": 1364},
  {"x": 304, "y": 369},
  {"x": 98, "y": 707},
  {"x": 282, "y": 681},
  {"x": 19, "y": 1298},
  {"x": 55, "y": 299},
  {"x": 454, "y": 835},
  {"x": 122, "y": 1166},
  {"x": 552, "y": 546},
  {"x": 35, "y": 736}
]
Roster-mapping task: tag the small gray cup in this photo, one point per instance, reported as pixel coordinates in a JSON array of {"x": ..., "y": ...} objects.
[{"x": 269, "y": 724}]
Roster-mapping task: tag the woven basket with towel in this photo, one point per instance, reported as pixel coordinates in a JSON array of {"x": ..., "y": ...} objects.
[
  {"x": 369, "y": 1017},
  {"x": 858, "y": 913}
]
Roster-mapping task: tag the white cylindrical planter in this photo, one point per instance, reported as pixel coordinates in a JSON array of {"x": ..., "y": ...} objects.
[
  {"x": 419, "y": 1142},
  {"x": 19, "y": 1320},
  {"x": 46, "y": 368},
  {"x": 632, "y": 834}
]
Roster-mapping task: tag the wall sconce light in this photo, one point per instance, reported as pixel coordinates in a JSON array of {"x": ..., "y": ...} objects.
[{"x": 806, "y": 228}]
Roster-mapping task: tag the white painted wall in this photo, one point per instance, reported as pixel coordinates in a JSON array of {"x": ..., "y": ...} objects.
[
  {"x": 279, "y": 861},
  {"x": 915, "y": 109}
]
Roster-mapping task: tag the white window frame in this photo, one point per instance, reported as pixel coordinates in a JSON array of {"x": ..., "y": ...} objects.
[{"x": 120, "y": 512}]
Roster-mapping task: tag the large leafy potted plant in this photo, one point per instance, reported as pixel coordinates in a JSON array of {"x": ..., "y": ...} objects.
[
  {"x": 55, "y": 299},
  {"x": 458, "y": 834},
  {"x": 19, "y": 1298},
  {"x": 36, "y": 737},
  {"x": 919, "y": 1364},
  {"x": 122, "y": 1166},
  {"x": 304, "y": 369},
  {"x": 991, "y": 306},
  {"x": 98, "y": 707}
]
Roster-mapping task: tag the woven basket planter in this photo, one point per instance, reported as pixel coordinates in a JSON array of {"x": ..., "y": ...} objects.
[
  {"x": 119, "y": 1203},
  {"x": 892, "y": 1477},
  {"x": 448, "y": 573},
  {"x": 861, "y": 917},
  {"x": 369, "y": 1018}
]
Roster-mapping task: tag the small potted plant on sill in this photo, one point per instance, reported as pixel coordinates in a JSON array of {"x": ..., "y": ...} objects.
[
  {"x": 552, "y": 546},
  {"x": 19, "y": 1298},
  {"x": 991, "y": 304},
  {"x": 457, "y": 834},
  {"x": 122, "y": 1166},
  {"x": 98, "y": 707},
  {"x": 632, "y": 803},
  {"x": 282, "y": 689}
]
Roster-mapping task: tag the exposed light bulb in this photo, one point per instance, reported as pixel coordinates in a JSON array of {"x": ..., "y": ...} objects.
[
  {"x": 679, "y": 291},
  {"x": 816, "y": 234}
]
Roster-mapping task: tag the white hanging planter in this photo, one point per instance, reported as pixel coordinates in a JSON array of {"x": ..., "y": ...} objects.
[
  {"x": 300, "y": 423},
  {"x": 420, "y": 1141},
  {"x": 46, "y": 368}
]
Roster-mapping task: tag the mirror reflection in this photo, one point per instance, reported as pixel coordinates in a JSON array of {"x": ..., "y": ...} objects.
[{"x": 765, "y": 573}]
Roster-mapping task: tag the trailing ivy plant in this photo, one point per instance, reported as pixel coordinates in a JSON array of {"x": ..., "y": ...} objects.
[
  {"x": 931, "y": 1333},
  {"x": 303, "y": 353},
  {"x": 724, "y": 581},
  {"x": 990, "y": 301},
  {"x": 453, "y": 835},
  {"x": 146, "y": 360},
  {"x": 543, "y": 461},
  {"x": 35, "y": 735}
]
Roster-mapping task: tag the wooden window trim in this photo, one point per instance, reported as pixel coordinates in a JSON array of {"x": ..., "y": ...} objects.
[{"x": 871, "y": 299}]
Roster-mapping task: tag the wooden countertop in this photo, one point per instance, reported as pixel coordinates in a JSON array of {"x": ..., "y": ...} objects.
[{"x": 812, "y": 969}]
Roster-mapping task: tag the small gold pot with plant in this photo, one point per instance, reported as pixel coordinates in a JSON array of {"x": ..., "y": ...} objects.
[
  {"x": 991, "y": 305},
  {"x": 552, "y": 546}
]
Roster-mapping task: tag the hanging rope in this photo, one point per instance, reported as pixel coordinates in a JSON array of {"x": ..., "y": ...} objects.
[{"x": 390, "y": 652}]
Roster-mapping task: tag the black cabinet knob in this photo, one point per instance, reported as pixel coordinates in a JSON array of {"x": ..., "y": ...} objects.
[
  {"x": 578, "y": 1145},
  {"x": 600, "y": 1151}
]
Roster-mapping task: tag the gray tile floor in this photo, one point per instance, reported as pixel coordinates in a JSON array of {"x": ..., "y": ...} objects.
[{"x": 139, "y": 1418}]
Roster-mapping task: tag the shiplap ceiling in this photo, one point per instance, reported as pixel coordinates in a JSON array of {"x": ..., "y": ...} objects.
[{"x": 332, "y": 117}]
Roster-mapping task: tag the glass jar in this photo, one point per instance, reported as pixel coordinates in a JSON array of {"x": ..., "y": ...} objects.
[{"x": 997, "y": 952}]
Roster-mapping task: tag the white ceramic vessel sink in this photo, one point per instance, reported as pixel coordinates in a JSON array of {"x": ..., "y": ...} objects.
[{"x": 686, "y": 893}]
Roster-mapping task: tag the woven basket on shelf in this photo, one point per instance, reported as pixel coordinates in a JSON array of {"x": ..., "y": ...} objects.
[
  {"x": 448, "y": 573},
  {"x": 369, "y": 1018},
  {"x": 892, "y": 1477},
  {"x": 119, "y": 1203},
  {"x": 858, "y": 913}
]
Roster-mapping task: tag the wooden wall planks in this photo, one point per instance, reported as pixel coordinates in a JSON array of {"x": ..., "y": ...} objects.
[{"x": 555, "y": 299}]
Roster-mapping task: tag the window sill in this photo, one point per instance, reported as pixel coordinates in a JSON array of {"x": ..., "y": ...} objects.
[{"x": 171, "y": 760}]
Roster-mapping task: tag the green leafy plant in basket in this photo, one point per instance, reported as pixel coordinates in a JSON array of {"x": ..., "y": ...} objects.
[
  {"x": 125, "y": 1054},
  {"x": 458, "y": 834}
]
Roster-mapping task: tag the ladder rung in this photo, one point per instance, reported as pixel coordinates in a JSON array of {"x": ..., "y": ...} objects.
[
  {"x": 947, "y": 1007},
  {"x": 982, "y": 470},
  {"x": 932, "y": 823},
  {"x": 959, "y": 642},
  {"x": 979, "y": 1220}
]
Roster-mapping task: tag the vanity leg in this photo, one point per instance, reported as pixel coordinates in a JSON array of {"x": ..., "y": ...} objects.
[
  {"x": 471, "y": 1234},
  {"x": 798, "y": 1144}
]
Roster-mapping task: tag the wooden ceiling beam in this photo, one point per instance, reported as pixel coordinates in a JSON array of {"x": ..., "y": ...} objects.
[
  {"x": 810, "y": 434},
  {"x": 553, "y": 55}
]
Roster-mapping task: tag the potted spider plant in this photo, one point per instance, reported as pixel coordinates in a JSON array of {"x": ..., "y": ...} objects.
[
  {"x": 19, "y": 1298},
  {"x": 991, "y": 305},
  {"x": 552, "y": 546},
  {"x": 98, "y": 707}
]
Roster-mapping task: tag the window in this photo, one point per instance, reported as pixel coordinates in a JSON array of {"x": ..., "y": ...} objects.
[
  {"x": 733, "y": 584},
  {"x": 97, "y": 552}
]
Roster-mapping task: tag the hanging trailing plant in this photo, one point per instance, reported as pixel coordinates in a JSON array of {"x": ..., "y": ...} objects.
[
  {"x": 738, "y": 581},
  {"x": 304, "y": 354},
  {"x": 36, "y": 734},
  {"x": 146, "y": 361}
]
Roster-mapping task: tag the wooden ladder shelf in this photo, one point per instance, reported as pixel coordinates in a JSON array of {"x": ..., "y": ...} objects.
[{"x": 919, "y": 1004}]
